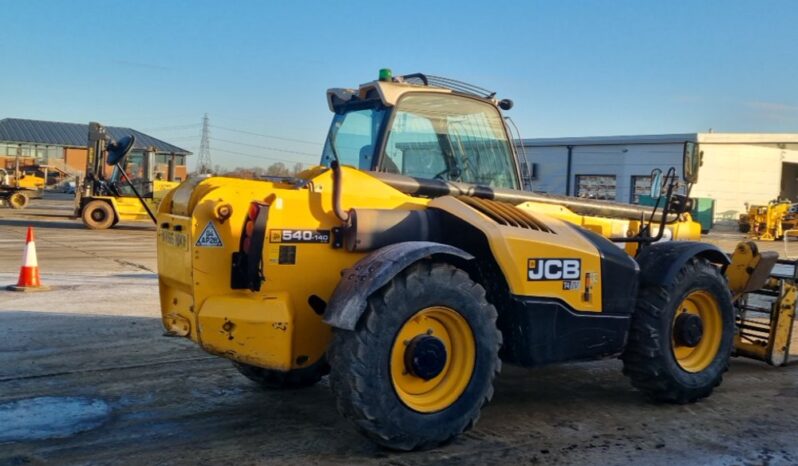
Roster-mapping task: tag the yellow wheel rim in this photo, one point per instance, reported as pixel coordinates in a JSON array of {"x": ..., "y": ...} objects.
[
  {"x": 697, "y": 358},
  {"x": 441, "y": 391}
]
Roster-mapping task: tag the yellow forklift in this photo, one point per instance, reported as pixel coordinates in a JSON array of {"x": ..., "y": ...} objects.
[{"x": 130, "y": 192}]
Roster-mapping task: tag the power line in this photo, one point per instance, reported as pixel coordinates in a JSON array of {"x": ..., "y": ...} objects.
[
  {"x": 267, "y": 147},
  {"x": 164, "y": 128},
  {"x": 256, "y": 156},
  {"x": 301, "y": 141},
  {"x": 192, "y": 137}
]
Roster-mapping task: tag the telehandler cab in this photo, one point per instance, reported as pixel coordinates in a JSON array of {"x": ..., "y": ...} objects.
[{"x": 410, "y": 264}]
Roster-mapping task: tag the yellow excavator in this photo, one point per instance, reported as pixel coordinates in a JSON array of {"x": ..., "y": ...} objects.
[{"x": 409, "y": 265}]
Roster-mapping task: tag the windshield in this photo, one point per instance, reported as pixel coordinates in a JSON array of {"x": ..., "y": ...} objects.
[
  {"x": 433, "y": 136},
  {"x": 354, "y": 134},
  {"x": 450, "y": 138},
  {"x": 135, "y": 171}
]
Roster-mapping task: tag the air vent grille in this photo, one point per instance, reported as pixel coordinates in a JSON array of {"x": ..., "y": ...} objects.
[{"x": 506, "y": 214}]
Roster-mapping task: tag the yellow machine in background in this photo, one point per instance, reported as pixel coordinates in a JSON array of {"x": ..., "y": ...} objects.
[
  {"x": 769, "y": 222},
  {"x": 101, "y": 202},
  {"x": 765, "y": 302},
  {"x": 18, "y": 186},
  {"x": 31, "y": 181},
  {"x": 410, "y": 262}
]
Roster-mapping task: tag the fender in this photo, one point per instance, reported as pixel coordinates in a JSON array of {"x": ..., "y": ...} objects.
[
  {"x": 660, "y": 262},
  {"x": 373, "y": 272}
]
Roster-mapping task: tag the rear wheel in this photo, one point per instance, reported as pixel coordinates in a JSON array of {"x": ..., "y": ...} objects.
[
  {"x": 18, "y": 200},
  {"x": 682, "y": 335},
  {"x": 421, "y": 363},
  {"x": 278, "y": 380},
  {"x": 98, "y": 215}
]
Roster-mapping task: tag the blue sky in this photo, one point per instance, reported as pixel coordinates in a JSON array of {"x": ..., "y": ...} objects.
[{"x": 573, "y": 68}]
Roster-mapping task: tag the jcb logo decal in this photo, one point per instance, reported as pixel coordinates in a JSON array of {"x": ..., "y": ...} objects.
[{"x": 554, "y": 269}]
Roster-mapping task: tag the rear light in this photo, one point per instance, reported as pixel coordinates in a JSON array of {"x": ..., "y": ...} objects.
[{"x": 247, "y": 270}]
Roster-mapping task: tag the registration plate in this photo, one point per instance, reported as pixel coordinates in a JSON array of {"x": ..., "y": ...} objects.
[{"x": 174, "y": 239}]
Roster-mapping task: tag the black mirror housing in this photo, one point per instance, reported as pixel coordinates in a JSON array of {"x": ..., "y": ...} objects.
[
  {"x": 691, "y": 161},
  {"x": 118, "y": 150}
]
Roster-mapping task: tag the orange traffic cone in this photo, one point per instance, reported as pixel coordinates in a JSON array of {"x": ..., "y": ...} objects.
[{"x": 29, "y": 279}]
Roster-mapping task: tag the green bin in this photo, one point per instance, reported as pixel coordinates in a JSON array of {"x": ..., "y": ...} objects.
[{"x": 703, "y": 210}]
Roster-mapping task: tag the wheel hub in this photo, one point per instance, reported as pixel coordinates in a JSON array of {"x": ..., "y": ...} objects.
[
  {"x": 688, "y": 330},
  {"x": 425, "y": 357}
]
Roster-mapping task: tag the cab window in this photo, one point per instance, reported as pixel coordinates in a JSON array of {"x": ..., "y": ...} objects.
[{"x": 450, "y": 138}]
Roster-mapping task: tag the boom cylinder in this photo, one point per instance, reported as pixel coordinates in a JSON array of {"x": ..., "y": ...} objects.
[{"x": 436, "y": 188}]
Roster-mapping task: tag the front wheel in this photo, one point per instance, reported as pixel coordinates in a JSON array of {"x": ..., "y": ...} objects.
[
  {"x": 98, "y": 215},
  {"x": 18, "y": 200},
  {"x": 682, "y": 335},
  {"x": 421, "y": 363}
]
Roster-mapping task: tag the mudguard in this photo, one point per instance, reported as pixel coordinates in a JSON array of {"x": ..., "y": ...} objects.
[
  {"x": 372, "y": 272},
  {"x": 660, "y": 262}
]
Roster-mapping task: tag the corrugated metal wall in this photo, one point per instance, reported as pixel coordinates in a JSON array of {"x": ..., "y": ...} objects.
[
  {"x": 621, "y": 161},
  {"x": 732, "y": 174}
]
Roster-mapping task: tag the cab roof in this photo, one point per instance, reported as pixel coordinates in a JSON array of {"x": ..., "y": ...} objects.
[{"x": 389, "y": 91}]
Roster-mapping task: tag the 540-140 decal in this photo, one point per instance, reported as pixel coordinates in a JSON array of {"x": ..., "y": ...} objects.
[{"x": 299, "y": 236}]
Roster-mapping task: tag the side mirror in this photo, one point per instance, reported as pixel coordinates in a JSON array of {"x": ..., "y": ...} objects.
[
  {"x": 118, "y": 150},
  {"x": 691, "y": 161},
  {"x": 656, "y": 183}
]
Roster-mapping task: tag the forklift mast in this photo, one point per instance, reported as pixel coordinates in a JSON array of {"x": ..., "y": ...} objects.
[{"x": 95, "y": 161}]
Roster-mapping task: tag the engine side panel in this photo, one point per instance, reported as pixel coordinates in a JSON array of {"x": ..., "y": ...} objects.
[{"x": 553, "y": 262}]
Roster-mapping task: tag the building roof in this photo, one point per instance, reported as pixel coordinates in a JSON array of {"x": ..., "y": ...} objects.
[
  {"x": 74, "y": 135},
  {"x": 678, "y": 138}
]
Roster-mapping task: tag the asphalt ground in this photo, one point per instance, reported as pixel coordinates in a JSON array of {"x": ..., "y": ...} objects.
[{"x": 86, "y": 377}]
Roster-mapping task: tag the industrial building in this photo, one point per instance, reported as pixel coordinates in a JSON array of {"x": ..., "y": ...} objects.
[
  {"x": 62, "y": 146},
  {"x": 738, "y": 168}
]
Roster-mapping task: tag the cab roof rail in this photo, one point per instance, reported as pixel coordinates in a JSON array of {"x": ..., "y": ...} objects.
[{"x": 447, "y": 83}]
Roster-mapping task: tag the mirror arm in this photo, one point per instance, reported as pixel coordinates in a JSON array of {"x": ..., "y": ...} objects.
[{"x": 639, "y": 238}]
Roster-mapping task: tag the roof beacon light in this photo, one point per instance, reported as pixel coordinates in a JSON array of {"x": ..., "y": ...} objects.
[{"x": 385, "y": 74}]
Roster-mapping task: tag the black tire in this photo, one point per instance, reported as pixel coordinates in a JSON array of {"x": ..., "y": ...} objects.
[
  {"x": 18, "y": 200},
  {"x": 744, "y": 227},
  {"x": 278, "y": 380},
  {"x": 649, "y": 359},
  {"x": 360, "y": 375},
  {"x": 98, "y": 215}
]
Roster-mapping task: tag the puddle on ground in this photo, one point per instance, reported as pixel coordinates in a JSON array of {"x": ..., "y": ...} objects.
[{"x": 50, "y": 417}]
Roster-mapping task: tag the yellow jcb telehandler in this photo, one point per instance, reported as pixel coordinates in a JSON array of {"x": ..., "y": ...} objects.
[{"x": 410, "y": 264}]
